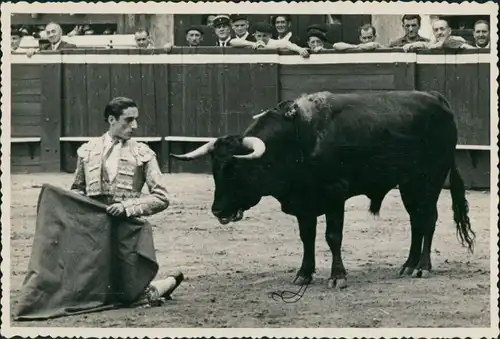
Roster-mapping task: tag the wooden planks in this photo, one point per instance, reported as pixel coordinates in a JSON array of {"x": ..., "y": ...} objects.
[
  {"x": 50, "y": 125},
  {"x": 214, "y": 99},
  {"x": 298, "y": 79},
  {"x": 467, "y": 88}
]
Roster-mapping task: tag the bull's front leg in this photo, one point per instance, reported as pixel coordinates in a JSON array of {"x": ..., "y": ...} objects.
[
  {"x": 333, "y": 235},
  {"x": 307, "y": 227}
]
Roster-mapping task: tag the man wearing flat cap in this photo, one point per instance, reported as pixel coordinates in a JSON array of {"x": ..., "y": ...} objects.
[
  {"x": 222, "y": 27},
  {"x": 240, "y": 27},
  {"x": 263, "y": 33},
  {"x": 194, "y": 36}
]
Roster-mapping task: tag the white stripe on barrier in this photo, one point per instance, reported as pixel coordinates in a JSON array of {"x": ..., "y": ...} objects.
[
  {"x": 453, "y": 58},
  {"x": 22, "y": 140},
  {"x": 474, "y": 147},
  {"x": 335, "y": 58},
  {"x": 190, "y": 139},
  {"x": 83, "y": 139}
]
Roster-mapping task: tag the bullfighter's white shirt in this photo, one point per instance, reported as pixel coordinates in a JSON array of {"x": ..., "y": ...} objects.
[{"x": 111, "y": 164}]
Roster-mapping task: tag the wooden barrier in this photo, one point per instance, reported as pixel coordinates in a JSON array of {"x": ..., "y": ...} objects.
[{"x": 191, "y": 95}]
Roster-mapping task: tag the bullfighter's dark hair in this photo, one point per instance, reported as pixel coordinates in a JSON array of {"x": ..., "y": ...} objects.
[
  {"x": 116, "y": 106},
  {"x": 411, "y": 17}
]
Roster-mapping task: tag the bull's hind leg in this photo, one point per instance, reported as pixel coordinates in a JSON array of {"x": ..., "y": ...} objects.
[
  {"x": 334, "y": 234},
  {"x": 307, "y": 228},
  {"x": 420, "y": 199}
]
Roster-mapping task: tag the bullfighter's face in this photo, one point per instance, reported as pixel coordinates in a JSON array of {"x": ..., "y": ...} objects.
[{"x": 124, "y": 127}]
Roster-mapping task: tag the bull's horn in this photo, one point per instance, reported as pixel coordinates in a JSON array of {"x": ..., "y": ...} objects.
[
  {"x": 257, "y": 145},
  {"x": 200, "y": 151}
]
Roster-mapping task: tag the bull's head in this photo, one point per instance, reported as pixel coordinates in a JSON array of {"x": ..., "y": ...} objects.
[{"x": 234, "y": 175}]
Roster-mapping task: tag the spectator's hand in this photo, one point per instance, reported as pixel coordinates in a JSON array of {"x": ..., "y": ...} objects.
[
  {"x": 259, "y": 44},
  {"x": 369, "y": 45},
  {"x": 408, "y": 47},
  {"x": 116, "y": 209},
  {"x": 30, "y": 52},
  {"x": 168, "y": 47},
  {"x": 303, "y": 52}
]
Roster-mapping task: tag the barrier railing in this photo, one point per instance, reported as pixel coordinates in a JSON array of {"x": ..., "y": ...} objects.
[{"x": 192, "y": 95}]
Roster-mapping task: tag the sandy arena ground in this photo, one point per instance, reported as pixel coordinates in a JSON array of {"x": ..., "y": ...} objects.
[{"x": 231, "y": 269}]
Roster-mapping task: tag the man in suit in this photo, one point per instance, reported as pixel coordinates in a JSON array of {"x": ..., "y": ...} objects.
[
  {"x": 54, "y": 33},
  {"x": 222, "y": 27}
]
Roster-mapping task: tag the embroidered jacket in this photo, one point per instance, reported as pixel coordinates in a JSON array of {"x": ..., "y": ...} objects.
[{"x": 137, "y": 165}]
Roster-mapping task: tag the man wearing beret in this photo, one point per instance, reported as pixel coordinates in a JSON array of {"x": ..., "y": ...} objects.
[
  {"x": 240, "y": 27},
  {"x": 320, "y": 32},
  {"x": 194, "y": 36},
  {"x": 263, "y": 33},
  {"x": 316, "y": 40}
]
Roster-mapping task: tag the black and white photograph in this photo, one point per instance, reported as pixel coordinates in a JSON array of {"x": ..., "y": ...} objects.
[{"x": 229, "y": 169}]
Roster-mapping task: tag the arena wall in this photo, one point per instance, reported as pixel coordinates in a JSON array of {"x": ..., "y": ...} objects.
[{"x": 186, "y": 98}]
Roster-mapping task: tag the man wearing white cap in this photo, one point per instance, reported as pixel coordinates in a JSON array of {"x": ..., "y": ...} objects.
[{"x": 222, "y": 27}]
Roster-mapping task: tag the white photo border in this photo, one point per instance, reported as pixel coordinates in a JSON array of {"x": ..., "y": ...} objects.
[{"x": 344, "y": 7}]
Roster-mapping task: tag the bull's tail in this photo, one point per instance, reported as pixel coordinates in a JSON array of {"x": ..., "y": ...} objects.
[{"x": 461, "y": 208}]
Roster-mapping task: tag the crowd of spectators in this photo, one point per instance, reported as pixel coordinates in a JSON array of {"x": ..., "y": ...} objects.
[{"x": 237, "y": 31}]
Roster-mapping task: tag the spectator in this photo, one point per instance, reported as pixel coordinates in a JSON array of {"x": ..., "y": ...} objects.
[
  {"x": 442, "y": 39},
  {"x": 411, "y": 25},
  {"x": 481, "y": 34},
  {"x": 194, "y": 37},
  {"x": 316, "y": 40},
  {"x": 319, "y": 29},
  {"x": 263, "y": 34},
  {"x": 367, "y": 36},
  {"x": 16, "y": 34},
  {"x": 209, "y": 21},
  {"x": 222, "y": 26},
  {"x": 54, "y": 34},
  {"x": 282, "y": 24},
  {"x": 240, "y": 27},
  {"x": 142, "y": 39}
]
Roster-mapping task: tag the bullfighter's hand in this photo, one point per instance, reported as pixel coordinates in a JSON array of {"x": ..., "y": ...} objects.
[{"x": 115, "y": 209}]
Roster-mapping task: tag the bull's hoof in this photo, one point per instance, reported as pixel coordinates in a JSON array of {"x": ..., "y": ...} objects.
[
  {"x": 420, "y": 273},
  {"x": 337, "y": 283},
  {"x": 406, "y": 271},
  {"x": 300, "y": 280}
]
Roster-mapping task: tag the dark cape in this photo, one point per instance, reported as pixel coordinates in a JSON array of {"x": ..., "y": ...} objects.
[{"x": 84, "y": 260}]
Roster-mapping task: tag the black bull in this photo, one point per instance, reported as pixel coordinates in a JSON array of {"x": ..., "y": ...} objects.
[{"x": 315, "y": 152}]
